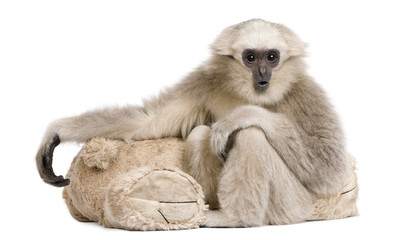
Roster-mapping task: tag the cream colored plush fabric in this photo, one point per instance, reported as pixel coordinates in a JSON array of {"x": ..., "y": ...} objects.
[
  {"x": 136, "y": 186},
  {"x": 143, "y": 185},
  {"x": 156, "y": 199},
  {"x": 342, "y": 204}
]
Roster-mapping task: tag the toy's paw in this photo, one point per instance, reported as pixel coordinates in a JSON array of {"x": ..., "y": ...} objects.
[
  {"x": 99, "y": 152},
  {"x": 342, "y": 204},
  {"x": 154, "y": 199}
]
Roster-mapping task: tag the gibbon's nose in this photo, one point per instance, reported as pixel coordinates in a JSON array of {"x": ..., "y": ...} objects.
[{"x": 262, "y": 71}]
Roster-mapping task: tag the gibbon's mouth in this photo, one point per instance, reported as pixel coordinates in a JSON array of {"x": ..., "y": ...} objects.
[{"x": 261, "y": 86}]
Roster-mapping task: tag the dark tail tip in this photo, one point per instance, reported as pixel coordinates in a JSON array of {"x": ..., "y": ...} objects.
[{"x": 44, "y": 164}]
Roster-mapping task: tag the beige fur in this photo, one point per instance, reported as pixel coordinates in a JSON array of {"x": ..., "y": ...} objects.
[
  {"x": 136, "y": 186},
  {"x": 257, "y": 170},
  {"x": 119, "y": 185},
  {"x": 295, "y": 143}
]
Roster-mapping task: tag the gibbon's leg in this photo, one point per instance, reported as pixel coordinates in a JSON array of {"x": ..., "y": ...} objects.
[
  {"x": 202, "y": 164},
  {"x": 314, "y": 157},
  {"x": 256, "y": 187}
]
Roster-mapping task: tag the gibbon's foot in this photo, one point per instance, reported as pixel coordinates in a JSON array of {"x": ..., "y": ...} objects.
[
  {"x": 219, "y": 219},
  {"x": 46, "y": 170}
]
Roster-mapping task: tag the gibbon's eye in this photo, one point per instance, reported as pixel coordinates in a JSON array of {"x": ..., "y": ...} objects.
[
  {"x": 250, "y": 57},
  {"x": 272, "y": 57}
]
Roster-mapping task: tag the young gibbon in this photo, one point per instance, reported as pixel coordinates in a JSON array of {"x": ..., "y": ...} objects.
[{"x": 274, "y": 140}]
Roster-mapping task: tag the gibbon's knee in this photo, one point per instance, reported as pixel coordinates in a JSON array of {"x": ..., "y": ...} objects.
[
  {"x": 198, "y": 146},
  {"x": 198, "y": 135},
  {"x": 202, "y": 164},
  {"x": 257, "y": 187}
]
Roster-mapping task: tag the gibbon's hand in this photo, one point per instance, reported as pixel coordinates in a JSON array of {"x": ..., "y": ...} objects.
[
  {"x": 223, "y": 130},
  {"x": 219, "y": 140},
  {"x": 44, "y": 164},
  {"x": 241, "y": 118}
]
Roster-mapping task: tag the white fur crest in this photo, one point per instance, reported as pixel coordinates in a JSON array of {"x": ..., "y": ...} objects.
[{"x": 258, "y": 34}]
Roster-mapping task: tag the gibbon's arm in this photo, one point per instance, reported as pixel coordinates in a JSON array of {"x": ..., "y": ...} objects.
[
  {"x": 168, "y": 115},
  {"x": 317, "y": 161}
]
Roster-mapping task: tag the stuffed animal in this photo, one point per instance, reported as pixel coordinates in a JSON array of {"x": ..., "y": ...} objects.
[
  {"x": 144, "y": 185},
  {"x": 136, "y": 186}
]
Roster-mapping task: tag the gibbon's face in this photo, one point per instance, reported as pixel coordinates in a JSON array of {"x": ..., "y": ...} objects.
[
  {"x": 261, "y": 52},
  {"x": 261, "y": 63}
]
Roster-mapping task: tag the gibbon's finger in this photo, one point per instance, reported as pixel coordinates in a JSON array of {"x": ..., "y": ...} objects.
[
  {"x": 44, "y": 164},
  {"x": 218, "y": 143}
]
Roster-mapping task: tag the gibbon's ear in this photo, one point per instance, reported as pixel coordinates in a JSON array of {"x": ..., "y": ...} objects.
[
  {"x": 295, "y": 46},
  {"x": 223, "y": 44}
]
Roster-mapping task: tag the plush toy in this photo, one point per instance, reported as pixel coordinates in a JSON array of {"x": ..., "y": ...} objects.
[
  {"x": 143, "y": 185},
  {"x": 136, "y": 186}
]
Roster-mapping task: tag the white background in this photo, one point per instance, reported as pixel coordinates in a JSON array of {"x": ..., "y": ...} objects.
[{"x": 60, "y": 58}]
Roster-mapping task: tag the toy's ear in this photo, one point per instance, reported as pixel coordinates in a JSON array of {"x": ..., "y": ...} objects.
[
  {"x": 100, "y": 152},
  {"x": 223, "y": 44}
]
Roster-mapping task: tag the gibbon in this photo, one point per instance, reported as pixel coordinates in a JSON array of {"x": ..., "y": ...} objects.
[{"x": 275, "y": 138}]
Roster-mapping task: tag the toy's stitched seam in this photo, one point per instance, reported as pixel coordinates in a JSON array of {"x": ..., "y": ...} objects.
[
  {"x": 163, "y": 216},
  {"x": 352, "y": 189}
]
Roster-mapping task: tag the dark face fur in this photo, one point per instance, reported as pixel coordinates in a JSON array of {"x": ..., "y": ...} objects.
[{"x": 261, "y": 64}]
